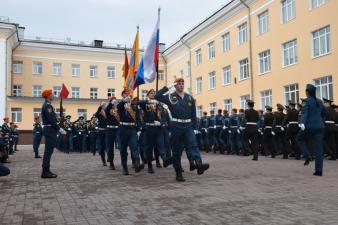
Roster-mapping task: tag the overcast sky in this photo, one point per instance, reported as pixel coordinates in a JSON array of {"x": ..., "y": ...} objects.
[{"x": 113, "y": 21}]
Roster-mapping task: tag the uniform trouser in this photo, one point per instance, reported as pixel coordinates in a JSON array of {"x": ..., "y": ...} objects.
[
  {"x": 251, "y": 139},
  {"x": 154, "y": 140},
  {"x": 101, "y": 135},
  {"x": 93, "y": 141},
  {"x": 280, "y": 143},
  {"x": 317, "y": 136},
  {"x": 330, "y": 143},
  {"x": 183, "y": 137},
  {"x": 50, "y": 139},
  {"x": 128, "y": 138},
  {"x": 142, "y": 145},
  {"x": 81, "y": 141},
  {"x": 111, "y": 134},
  {"x": 269, "y": 142},
  {"x": 211, "y": 137},
  {"x": 218, "y": 137},
  {"x": 290, "y": 142},
  {"x": 166, "y": 141},
  {"x": 70, "y": 138},
  {"x": 235, "y": 140},
  {"x": 4, "y": 171},
  {"x": 224, "y": 139},
  {"x": 36, "y": 142}
]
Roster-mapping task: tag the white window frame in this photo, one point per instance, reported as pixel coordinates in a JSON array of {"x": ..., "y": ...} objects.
[
  {"x": 160, "y": 75},
  {"x": 199, "y": 111},
  {"x": 226, "y": 75},
  {"x": 93, "y": 93},
  {"x": 288, "y": 93},
  {"x": 82, "y": 112},
  {"x": 76, "y": 70},
  {"x": 242, "y": 101},
  {"x": 36, "y": 112},
  {"x": 326, "y": 37},
  {"x": 17, "y": 90},
  {"x": 317, "y": 4},
  {"x": 111, "y": 72},
  {"x": 212, "y": 106},
  {"x": 226, "y": 42},
  {"x": 36, "y": 91},
  {"x": 16, "y": 113},
  {"x": 199, "y": 85},
  {"x": 242, "y": 33},
  {"x": 93, "y": 71},
  {"x": 263, "y": 22},
  {"x": 227, "y": 104},
  {"x": 198, "y": 56},
  {"x": 211, "y": 50},
  {"x": 324, "y": 87},
  {"x": 144, "y": 94},
  {"x": 56, "y": 91},
  {"x": 244, "y": 70},
  {"x": 264, "y": 62},
  {"x": 111, "y": 91},
  {"x": 37, "y": 68},
  {"x": 286, "y": 5},
  {"x": 18, "y": 67},
  {"x": 265, "y": 98},
  {"x": 57, "y": 69},
  {"x": 76, "y": 92},
  {"x": 289, "y": 51},
  {"x": 212, "y": 80}
]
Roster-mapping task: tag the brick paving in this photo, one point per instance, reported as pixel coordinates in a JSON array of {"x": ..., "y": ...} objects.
[{"x": 235, "y": 190}]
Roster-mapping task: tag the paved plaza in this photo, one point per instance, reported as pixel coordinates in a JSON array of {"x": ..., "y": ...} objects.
[{"x": 235, "y": 190}]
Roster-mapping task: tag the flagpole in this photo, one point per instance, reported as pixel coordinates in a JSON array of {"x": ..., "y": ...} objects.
[
  {"x": 158, "y": 11},
  {"x": 138, "y": 89}
]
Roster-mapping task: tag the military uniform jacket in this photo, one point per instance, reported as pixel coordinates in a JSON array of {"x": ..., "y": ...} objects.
[
  {"x": 212, "y": 122},
  {"x": 250, "y": 120},
  {"x": 291, "y": 120},
  {"x": 278, "y": 121},
  {"x": 69, "y": 127},
  {"x": 5, "y": 129},
  {"x": 48, "y": 116},
  {"x": 180, "y": 108},
  {"x": 234, "y": 121},
  {"x": 150, "y": 111},
  {"x": 219, "y": 122},
  {"x": 312, "y": 114},
  {"x": 112, "y": 116},
  {"x": 203, "y": 122},
  {"x": 129, "y": 112},
  {"x": 37, "y": 128},
  {"x": 268, "y": 121},
  {"x": 329, "y": 118},
  {"x": 102, "y": 123}
]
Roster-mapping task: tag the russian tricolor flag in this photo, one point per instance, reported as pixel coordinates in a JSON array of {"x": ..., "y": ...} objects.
[{"x": 146, "y": 72}]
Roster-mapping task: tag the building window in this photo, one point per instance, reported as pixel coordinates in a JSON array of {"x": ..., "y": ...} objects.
[
  {"x": 228, "y": 104},
  {"x": 56, "y": 91},
  {"x": 290, "y": 56},
  {"x": 288, "y": 10},
  {"x": 226, "y": 42},
  {"x": 37, "y": 68},
  {"x": 160, "y": 75},
  {"x": 266, "y": 98},
  {"x": 243, "y": 100},
  {"x": 57, "y": 69},
  {"x": 75, "y": 70},
  {"x": 212, "y": 80},
  {"x": 263, "y": 22},
  {"x": 198, "y": 54},
  {"x": 321, "y": 41},
  {"x": 82, "y": 112},
  {"x": 93, "y": 71},
  {"x": 291, "y": 92},
  {"x": 264, "y": 62},
  {"x": 93, "y": 93},
  {"x": 244, "y": 69},
  {"x": 199, "y": 111},
  {"x": 36, "y": 91},
  {"x": 36, "y": 112},
  {"x": 242, "y": 33},
  {"x": 317, "y": 3},
  {"x": 226, "y": 79},
  {"x": 324, "y": 87},
  {"x": 111, "y": 92},
  {"x": 144, "y": 94},
  {"x": 17, "y": 66},
  {"x": 211, "y": 48},
  {"x": 212, "y": 106},
  {"x": 111, "y": 72},
  {"x": 198, "y": 85},
  {"x": 75, "y": 92},
  {"x": 17, "y": 90},
  {"x": 16, "y": 115}
]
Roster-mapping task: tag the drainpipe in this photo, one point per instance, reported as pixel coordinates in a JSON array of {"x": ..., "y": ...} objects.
[
  {"x": 250, "y": 50},
  {"x": 189, "y": 69},
  {"x": 165, "y": 69}
]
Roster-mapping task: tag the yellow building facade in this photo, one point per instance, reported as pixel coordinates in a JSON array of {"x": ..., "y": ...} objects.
[{"x": 265, "y": 50}]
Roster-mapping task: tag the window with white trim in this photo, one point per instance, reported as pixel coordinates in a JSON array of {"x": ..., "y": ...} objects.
[
  {"x": 17, "y": 90},
  {"x": 160, "y": 75},
  {"x": 16, "y": 115},
  {"x": 211, "y": 48},
  {"x": 144, "y": 94},
  {"x": 244, "y": 69},
  {"x": 263, "y": 22},
  {"x": 226, "y": 42},
  {"x": 324, "y": 87},
  {"x": 56, "y": 91},
  {"x": 36, "y": 91},
  {"x": 317, "y": 3},
  {"x": 291, "y": 92},
  {"x": 321, "y": 41},
  {"x": 198, "y": 85},
  {"x": 199, "y": 111},
  {"x": 264, "y": 61},
  {"x": 226, "y": 78},
  {"x": 198, "y": 55},
  {"x": 93, "y": 93},
  {"x": 36, "y": 112},
  {"x": 17, "y": 67},
  {"x": 290, "y": 55},
  {"x": 212, "y": 80},
  {"x": 82, "y": 112},
  {"x": 57, "y": 69},
  {"x": 288, "y": 10},
  {"x": 111, "y": 72},
  {"x": 212, "y": 106},
  {"x": 111, "y": 92},
  {"x": 92, "y": 71},
  {"x": 228, "y": 104},
  {"x": 266, "y": 98},
  {"x": 242, "y": 101},
  {"x": 242, "y": 33},
  {"x": 75, "y": 70},
  {"x": 37, "y": 68},
  {"x": 75, "y": 92}
]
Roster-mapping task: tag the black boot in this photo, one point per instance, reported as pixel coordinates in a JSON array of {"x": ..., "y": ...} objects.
[
  {"x": 150, "y": 168},
  {"x": 125, "y": 169},
  {"x": 111, "y": 165},
  {"x": 192, "y": 165},
  {"x": 47, "y": 174},
  {"x": 138, "y": 167},
  {"x": 201, "y": 167},
  {"x": 179, "y": 176},
  {"x": 167, "y": 161},
  {"x": 37, "y": 156},
  {"x": 158, "y": 164},
  {"x": 103, "y": 159},
  {"x": 317, "y": 173},
  {"x": 307, "y": 161}
]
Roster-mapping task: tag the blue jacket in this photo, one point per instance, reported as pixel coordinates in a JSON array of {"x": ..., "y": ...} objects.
[{"x": 312, "y": 115}]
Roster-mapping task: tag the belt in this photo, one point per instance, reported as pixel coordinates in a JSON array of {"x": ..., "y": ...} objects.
[
  {"x": 211, "y": 127},
  {"x": 329, "y": 121},
  {"x": 47, "y": 125},
  {"x": 219, "y": 126},
  {"x": 37, "y": 132},
  {"x": 293, "y": 122},
  {"x": 109, "y": 126},
  {"x": 268, "y": 127},
  {"x": 152, "y": 125},
  {"x": 251, "y": 123},
  {"x": 233, "y": 126},
  {"x": 127, "y": 124},
  {"x": 181, "y": 120}
]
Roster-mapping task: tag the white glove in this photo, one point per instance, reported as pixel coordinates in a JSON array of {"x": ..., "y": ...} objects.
[
  {"x": 153, "y": 101},
  {"x": 62, "y": 131},
  {"x": 114, "y": 102},
  {"x": 302, "y": 126},
  {"x": 229, "y": 131},
  {"x": 273, "y": 133},
  {"x": 157, "y": 123},
  {"x": 260, "y": 130},
  {"x": 205, "y": 130},
  {"x": 224, "y": 127},
  {"x": 242, "y": 128},
  {"x": 196, "y": 132},
  {"x": 171, "y": 85},
  {"x": 282, "y": 128},
  {"x": 127, "y": 98},
  {"x": 138, "y": 133},
  {"x": 238, "y": 131},
  {"x": 214, "y": 126}
]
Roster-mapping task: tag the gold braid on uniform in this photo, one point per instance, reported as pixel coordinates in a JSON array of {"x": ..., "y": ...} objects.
[
  {"x": 115, "y": 114},
  {"x": 130, "y": 110}
]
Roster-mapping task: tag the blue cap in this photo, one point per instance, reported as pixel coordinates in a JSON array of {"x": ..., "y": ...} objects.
[{"x": 310, "y": 88}]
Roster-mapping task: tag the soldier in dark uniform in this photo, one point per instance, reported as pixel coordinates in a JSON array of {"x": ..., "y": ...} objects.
[
  {"x": 165, "y": 123},
  {"x": 69, "y": 127},
  {"x": 260, "y": 132},
  {"x": 203, "y": 126},
  {"x": 336, "y": 124},
  {"x": 37, "y": 136},
  {"x": 15, "y": 136},
  {"x": 225, "y": 133},
  {"x": 250, "y": 128},
  {"x": 6, "y": 131},
  {"x": 102, "y": 126},
  {"x": 280, "y": 130},
  {"x": 291, "y": 124},
  {"x": 311, "y": 122},
  {"x": 183, "y": 126},
  {"x": 330, "y": 128},
  {"x": 219, "y": 123},
  {"x": 234, "y": 135},
  {"x": 211, "y": 130},
  {"x": 130, "y": 120},
  {"x": 93, "y": 131},
  {"x": 50, "y": 130},
  {"x": 81, "y": 131},
  {"x": 268, "y": 133},
  {"x": 113, "y": 122}
]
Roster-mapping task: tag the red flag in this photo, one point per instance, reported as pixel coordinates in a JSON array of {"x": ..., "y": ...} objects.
[
  {"x": 126, "y": 65},
  {"x": 64, "y": 92}
]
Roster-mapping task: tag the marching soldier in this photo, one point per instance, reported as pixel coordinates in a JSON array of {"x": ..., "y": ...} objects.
[
  {"x": 279, "y": 130},
  {"x": 268, "y": 133},
  {"x": 50, "y": 129},
  {"x": 219, "y": 123},
  {"x": 291, "y": 124},
  {"x": 69, "y": 127},
  {"x": 336, "y": 123},
  {"x": 224, "y": 134},
  {"x": 102, "y": 125},
  {"x": 81, "y": 128},
  {"x": 93, "y": 130},
  {"x": 211, "y": 130},
  {"x": 183, "y": 126},
  {"x": 260, "y": 131},
  {"x": 330, "y": 128},
  {"x": 6, "y": 131},
  {"x": 37, "y": 136},
  {"x": 234, "y": 135},
  {"x": 203, "y": 126}
]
